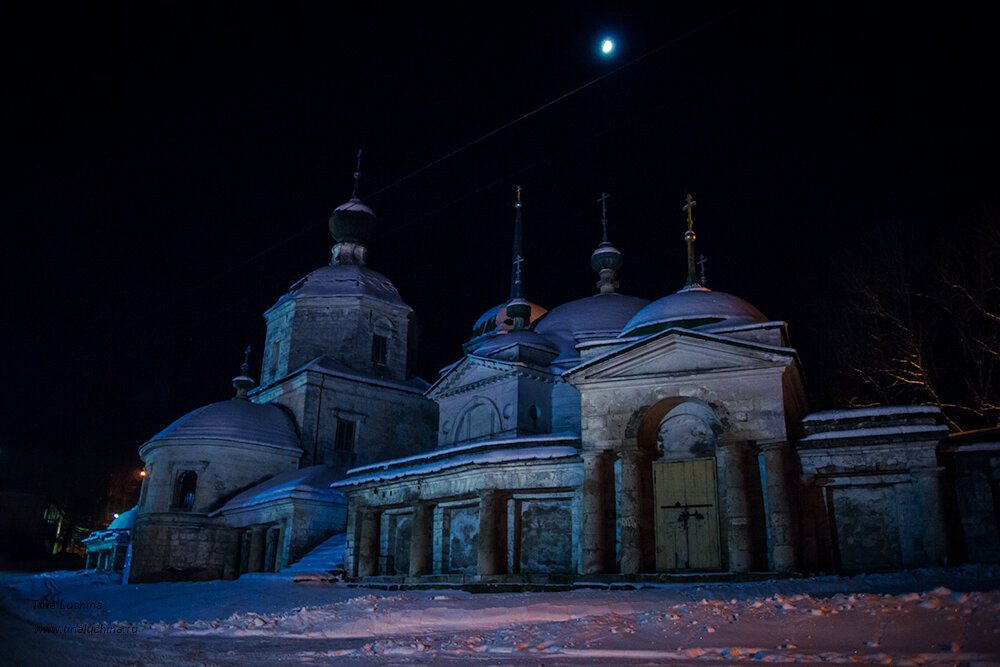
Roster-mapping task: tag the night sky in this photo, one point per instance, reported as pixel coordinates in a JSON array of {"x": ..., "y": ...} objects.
[{"x": 171, "y": 168}]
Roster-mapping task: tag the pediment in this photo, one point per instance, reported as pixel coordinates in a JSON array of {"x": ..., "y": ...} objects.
[
  {"x": 469, "y": 372},
  {"x": 680, "y": 353}
]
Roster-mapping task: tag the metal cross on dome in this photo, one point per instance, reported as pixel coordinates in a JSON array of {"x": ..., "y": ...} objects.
[
  {"x": 604, "y": 213},
  {"x": 689, "y": 207}
]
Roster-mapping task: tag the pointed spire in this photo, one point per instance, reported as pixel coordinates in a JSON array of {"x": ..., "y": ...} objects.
[
  {"x": 606, "y": 259},
  {"x": 352, "y": 226},
  {"x": 518, "y": 310},
  {"x": 243, "y": 382},
  {"x": 689, "y": 237}
]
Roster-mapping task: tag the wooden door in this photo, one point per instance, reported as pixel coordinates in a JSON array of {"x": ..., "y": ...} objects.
[{"x": 686, "y": 515}]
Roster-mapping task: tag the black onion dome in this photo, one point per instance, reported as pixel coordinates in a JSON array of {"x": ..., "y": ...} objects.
[
  {"x": 606, "y": 257},
  {"x": 353, "y": 222}
]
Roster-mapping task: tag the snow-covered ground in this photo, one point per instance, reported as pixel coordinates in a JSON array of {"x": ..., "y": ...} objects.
[{"x": 936, "y": 616}]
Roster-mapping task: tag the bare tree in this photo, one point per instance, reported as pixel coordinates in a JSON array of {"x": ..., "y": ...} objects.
[{"x": 922, "y": 323}]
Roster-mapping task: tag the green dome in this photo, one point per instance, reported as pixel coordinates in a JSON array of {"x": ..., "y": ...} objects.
[{"x": 353, "y": 222}]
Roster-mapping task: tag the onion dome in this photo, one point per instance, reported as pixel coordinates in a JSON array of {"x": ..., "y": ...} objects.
[
  {"x": 693, "y": 308},
  {"x": 606, "y": 260},
  {"x": 602, "y": 315},
  {"x": 234, "y": 421},
  {"x": 352, "y": 226},
  {"x": 496, "y": 319}
]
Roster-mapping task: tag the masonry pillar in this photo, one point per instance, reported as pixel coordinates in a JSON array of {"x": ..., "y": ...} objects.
[
  {"x": 928, "y": 488},
  {"x": 631, "y": 545},
  {"x": 592, "y": 510},
  {"x": 420, "y": 539},
  {"x": 779, "y": 506},
  {"x": 368, "y": 547},
  {"x": 258, "y": 544},
  {"x": 490, "y": 542},
  {"x": 737, "y": 506}
]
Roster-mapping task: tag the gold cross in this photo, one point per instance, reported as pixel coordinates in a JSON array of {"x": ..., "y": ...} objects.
[
  {"x": 689, "y": 207},
  {"x": 518, "y": 204}
]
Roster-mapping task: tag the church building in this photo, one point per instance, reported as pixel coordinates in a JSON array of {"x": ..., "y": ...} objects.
[{"x": 608, "y": 437}]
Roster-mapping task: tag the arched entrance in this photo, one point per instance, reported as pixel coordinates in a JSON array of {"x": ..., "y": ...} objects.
[{"x": 680, "y": 438}]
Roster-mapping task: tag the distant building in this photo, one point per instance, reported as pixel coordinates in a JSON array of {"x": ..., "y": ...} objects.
[
  {"x": 608, "y": 437},
  {"x": 35, "y": 528}
]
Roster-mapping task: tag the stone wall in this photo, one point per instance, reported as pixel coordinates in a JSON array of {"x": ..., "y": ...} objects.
[
  {"x": 224, "y": 469},
  {"x": 873, "y": 487},
  {"x": 391, "y": 420},
  {"x": 168, "y": 547},
  {"x": 341, "y": 327}
]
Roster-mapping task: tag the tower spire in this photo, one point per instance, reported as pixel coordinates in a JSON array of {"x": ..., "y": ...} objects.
[
  {"x": 357, "y": 178},
  {"x": 352, "y": 226},
  {"x": 606, "y": 259},
  {"x": 689, "y": 237},
  {"x": 518, "y": 309}
]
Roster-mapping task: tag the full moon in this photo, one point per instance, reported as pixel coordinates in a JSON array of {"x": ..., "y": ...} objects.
[{"x": 607, "y": 46}]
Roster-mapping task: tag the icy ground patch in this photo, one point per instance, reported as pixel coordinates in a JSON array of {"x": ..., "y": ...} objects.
[{"x": 934, "y": 616}]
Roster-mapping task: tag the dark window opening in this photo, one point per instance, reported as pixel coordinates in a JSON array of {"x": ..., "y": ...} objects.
[
  {"x": 380, "y": 349},
  {"x": 184, "y": 493},
  {"x": 344, "y": 441}
]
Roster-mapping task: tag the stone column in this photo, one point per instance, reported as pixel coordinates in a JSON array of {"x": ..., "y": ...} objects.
[
  {"x": 489, "y": 535},
  {"x": 737, "y": 506},
  {"x": 368, "y": 547},
  {"x": 779, "y": 506},
  {"x": 631, "y": 545},
  {"x": 420, "y": 538},
  {"x": 928, "y": 488},
  {"x": 255, "y": 563},
  {"x": 592, "y": 509}
]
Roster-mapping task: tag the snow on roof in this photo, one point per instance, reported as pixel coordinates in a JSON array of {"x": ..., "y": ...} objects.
[
  {"x": 878, "y": 411},
  {"x": 467, "y": 448},
  {"x": 693, "y": 307},
  {"x": 331, "y": 366},
  {"x": 235, "y": 420},
  {"x": 125, "y": 520},
  {"x": 876, "y": 432},
  {"x": 481, "y": 458},
  {"x": 312, "y": 483}
]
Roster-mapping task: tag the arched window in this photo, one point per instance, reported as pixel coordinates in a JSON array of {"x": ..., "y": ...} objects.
[
  {"x": 479, "y": 420},
  {"x": 187, "y": 481}
]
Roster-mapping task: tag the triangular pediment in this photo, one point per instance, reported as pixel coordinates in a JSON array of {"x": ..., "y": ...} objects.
[
  {"x": 680, "y": 352},
  {"x": 469, "y": 372}
]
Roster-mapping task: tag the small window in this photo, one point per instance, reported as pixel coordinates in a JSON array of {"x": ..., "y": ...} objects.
[
  {"x": 187, "y": 481},
  {"x": 344, "y": 441},
  {"x": 380, "y": 349}
]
